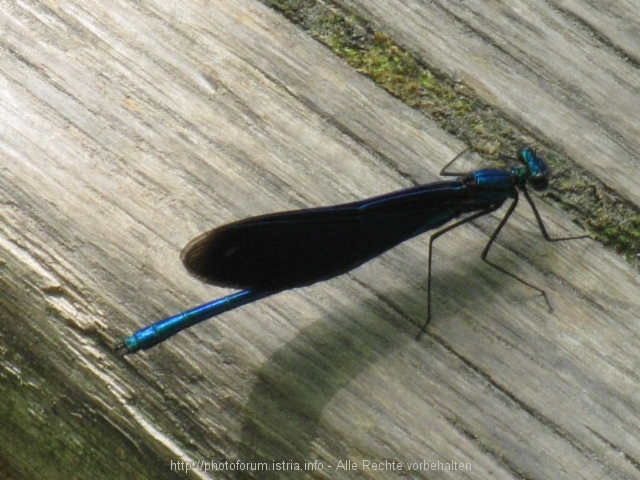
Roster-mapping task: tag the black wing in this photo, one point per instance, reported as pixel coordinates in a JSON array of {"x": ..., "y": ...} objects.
[{"x": 293, "y": 249}]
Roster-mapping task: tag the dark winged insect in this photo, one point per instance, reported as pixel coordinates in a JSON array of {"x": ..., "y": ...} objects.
[{"x": 264, "y": 255}]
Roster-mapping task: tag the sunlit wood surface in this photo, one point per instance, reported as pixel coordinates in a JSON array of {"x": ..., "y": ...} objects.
[{"x": 127, "y": 128}]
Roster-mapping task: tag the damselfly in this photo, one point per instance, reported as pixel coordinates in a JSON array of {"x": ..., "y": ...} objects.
[{"x": 264, "y": 255}]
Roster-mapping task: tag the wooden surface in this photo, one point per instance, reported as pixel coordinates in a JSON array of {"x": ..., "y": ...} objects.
[
  {"x": 128, "y": 128},
  {"x": 565, "y": 70}
]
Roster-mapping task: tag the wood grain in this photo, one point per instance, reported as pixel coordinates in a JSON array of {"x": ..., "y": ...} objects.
[
  {"x": 127, "y": 128},
  {"x": 567, "y": 71}
]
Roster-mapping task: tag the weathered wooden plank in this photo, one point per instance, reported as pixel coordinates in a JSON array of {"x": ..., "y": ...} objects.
[
  {"x": 127, "y": 128},
  {"x": 567, "y": 71}
]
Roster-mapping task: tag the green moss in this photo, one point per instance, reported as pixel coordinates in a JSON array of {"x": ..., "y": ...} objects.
[{"x": 455, "y": 108}]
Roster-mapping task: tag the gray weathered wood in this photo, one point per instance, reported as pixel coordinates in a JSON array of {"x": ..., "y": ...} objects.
[
  {"x": 127, "y": 128},
  {"x": 568, "y": 70}
]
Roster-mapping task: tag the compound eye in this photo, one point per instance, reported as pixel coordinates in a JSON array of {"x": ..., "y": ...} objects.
[{"x": 539, "y": 182}]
